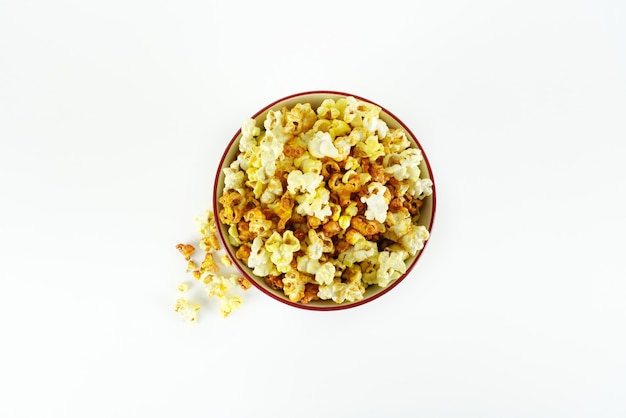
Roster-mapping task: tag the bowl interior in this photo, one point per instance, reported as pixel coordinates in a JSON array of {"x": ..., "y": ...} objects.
[{"x": 315, "y": 98}]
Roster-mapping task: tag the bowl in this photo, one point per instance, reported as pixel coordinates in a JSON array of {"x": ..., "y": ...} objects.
[{"x": 268, "y": 287}]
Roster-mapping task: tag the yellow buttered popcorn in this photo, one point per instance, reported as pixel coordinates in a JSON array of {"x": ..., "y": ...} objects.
[
  {"x": 330, "y": 203},
  {"x": 187, "y": 310},
  {"x": 281, "y": 249}
]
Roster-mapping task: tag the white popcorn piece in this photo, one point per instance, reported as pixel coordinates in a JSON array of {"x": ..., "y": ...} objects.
[
  {"x": 321, "y": 145},
  {"x": 316, "y": 204},
  {"x": 187, "y": 310},
  {"x": 299, "y": 182},
  {"x": 228, "y": 305},
  {"x": 308, "y": 164},
  {"x": 395, "y": 141},
  {"x": 336, "y": 291},
  {"x": 325, "y": 274},
  {"x": 272, "y": 192},
  {"x": 328, "y": 109},
  {"x": 421, "y": 187},
  {"x": 294, "y": 284},
  {"x": 315, "y": 245},
  {"x": 398, "y": 224},
  {"x": 413, "y": 241},
  {"x": 404, "y": 165},
  {"x": 377, "y": 203},
  {"x": 361, "y": 250},
  {"x": 259, "y": 259},
  {"x": 234, "y": 178},
  {"x": 391, "y": 266}
]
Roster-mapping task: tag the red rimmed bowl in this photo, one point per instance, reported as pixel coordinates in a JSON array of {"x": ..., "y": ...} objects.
[{"x": 315, "y": 98}]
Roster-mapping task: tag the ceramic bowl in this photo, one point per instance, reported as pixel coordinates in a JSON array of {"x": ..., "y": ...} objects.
[{"x": 315, "y": 98}]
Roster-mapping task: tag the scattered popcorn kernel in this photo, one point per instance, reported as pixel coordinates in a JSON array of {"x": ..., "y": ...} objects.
[
  {"x": 322, "y": 146},
  {"x": 377, "y": 202},
  {"x": 186, "y": 250},
  {"x": 209, "y": 264},
  {"x": 210, "y": 242},
  {"x": 390, "y": 267},
  {"x": 229, "y": 304},
  {"x": 183, "y": 287},
  {"x": 187, "y": 310},
  {"x": 225, "y": 260}
]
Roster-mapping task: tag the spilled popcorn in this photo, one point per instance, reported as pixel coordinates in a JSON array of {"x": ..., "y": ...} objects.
[
  {"x": 323, "y": 203},
  {"x": 208, "y": 273}
]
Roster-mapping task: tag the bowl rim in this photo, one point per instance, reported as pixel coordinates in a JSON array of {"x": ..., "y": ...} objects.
[{"x": 340, "y": 306}]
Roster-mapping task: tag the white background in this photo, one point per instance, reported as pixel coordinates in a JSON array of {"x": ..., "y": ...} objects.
[{"x": 114, "y": 114}]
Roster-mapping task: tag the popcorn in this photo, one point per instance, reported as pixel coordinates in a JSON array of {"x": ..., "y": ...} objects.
[
  {"x": 413, "y": 241},
  {"x": 390, "y": 267},
  {"x": 340, "y": 292},
  {"x": 339, "y": 128},
  {"x": 309, "y": 164},
  {"x": 325, "y": 274},
  {"x": 209, "y": 264},
  {"x": 377, "y": 203},
  {"x": 321, "y": 145},
  {"x": 187, "y": 310},
  {"x": 398, "y": 224},
  {"x": 324, "y": 203},
  {"x": 281, "y": 249},
  {"x": 395, "y": 141},
  {"x": 299, "y": 182},
  {"x": 315, "y": 245},
  {"x": 314, "y": 204},
  {"x": 335, "y": 291},
  {"x": 259, "y": 259},
  {"x": 360, "y": 250},
  {"x": 421, "y": 188}
]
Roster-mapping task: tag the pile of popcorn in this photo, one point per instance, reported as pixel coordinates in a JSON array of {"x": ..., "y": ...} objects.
[
  {"x": 209, "y": 273},
  {"x": 323, "y": 203}
]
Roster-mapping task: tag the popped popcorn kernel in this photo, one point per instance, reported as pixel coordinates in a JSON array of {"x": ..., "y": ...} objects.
[
  {"x": 225, "y": 260},
  {"x": 209, "y": 264},
  {"x": 187, "y": 310},
  {"x": 228, "y": 305},
  {"x": 186, "y": 250},
  {"x": 244, "y": 283}
]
